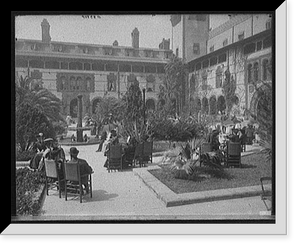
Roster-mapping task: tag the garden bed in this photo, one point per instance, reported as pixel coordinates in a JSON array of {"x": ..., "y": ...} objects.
[{"x": 253, "y": 168}]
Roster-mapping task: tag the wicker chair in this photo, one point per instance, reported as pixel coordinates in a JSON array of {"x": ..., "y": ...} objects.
[
  {"x": 52, "y": 173},
  {"x": 138, "y": 154},
  {"x": 147, "y": 151},
  {"x": 233, "y": 157},
  {"x": 114, "y": 157},
  {"x": 73, "y": 180}
]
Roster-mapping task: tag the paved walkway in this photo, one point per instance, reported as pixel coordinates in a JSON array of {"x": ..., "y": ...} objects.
[{"x": 122, "y": 195}]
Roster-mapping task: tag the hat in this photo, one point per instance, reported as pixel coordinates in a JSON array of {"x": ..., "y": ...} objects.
[
  {"x": 73, "y": 151},
  {"x": 48, "y": 139}
]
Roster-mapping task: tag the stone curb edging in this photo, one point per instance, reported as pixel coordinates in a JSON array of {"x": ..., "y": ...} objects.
[{"x": 172, "y": 199}]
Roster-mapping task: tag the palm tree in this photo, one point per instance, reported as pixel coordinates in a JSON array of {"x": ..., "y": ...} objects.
[{"x": 40, "y": 98}]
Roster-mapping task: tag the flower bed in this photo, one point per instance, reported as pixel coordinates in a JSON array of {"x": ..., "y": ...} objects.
[
  {"x": 29, "y": 189},
  {"x": 253, "y": 168}
]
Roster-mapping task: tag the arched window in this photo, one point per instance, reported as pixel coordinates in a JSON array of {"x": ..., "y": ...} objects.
[
  {"x": 212, "y": 105},
  {"x": 249, "y": 72},
  {"x": 88, "y": 83},
  {"x": 72, "y": 83},
  {"x": 265, "y": 69},
  {"x": 63, "y": 83},
  {"x": 221, "y": 104},
  {"x": 219, "y": 77},
  {"x": 255, "y": 72},
  {"x": 78, "y": 83}
]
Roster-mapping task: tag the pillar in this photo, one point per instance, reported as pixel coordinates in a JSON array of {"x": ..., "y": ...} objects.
[{"x": 79, "y": 131}]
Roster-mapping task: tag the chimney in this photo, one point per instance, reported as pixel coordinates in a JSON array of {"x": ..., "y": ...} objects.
[
  {"x": 165, "y": 44},
  {"x": 45, "y": 31},
  {"x": 135, "y": 38}
]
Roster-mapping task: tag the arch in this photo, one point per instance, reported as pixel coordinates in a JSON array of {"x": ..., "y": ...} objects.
[
  {"x": 150, "y": 104},
  {"x": 263, "y": 93},
  {"x": 221, "y": 104},
  {"x": 95, "y": 102},
  {"x": 204, "y": 105},
  {"x": 73, "y": 108},
  {"x": 212, "y": 105}
]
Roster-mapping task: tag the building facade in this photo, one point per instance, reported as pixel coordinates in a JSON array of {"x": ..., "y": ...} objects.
[
  {"x": 94, "y": 71},
  {"x": 241, "y": 46}
]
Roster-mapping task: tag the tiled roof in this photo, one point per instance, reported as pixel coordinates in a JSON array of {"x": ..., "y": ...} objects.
[{"x": 227, "y": 25}]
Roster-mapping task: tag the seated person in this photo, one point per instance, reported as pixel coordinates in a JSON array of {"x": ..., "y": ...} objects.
[{"x": 83, "y": 165}]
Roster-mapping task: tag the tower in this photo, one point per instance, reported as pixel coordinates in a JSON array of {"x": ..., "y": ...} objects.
[
  {"x": 45, "y": 31},
  {"x": 189, "y": 35},
  {"x": 135, "y": 38}
]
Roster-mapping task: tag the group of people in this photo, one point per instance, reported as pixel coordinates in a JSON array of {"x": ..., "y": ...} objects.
[
  {"x": 234, "y": 133},
  {"x": 110, "y": 138},
  {"x": 50, "y": 149}
]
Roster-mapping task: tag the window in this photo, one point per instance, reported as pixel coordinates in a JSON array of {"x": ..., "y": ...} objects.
[
  {"x": 137, "y": 68},
  {"x": 258, "y": 45},
  {"x": 205, "y": 63},
  {"x": 78, "y": 83},
  {"x": 64, "y": 65},
  {"x": 219, "y": 77},
  {"x": 97, "y": 67},
  {"x": 249, "y": 72},
  {"x": 87, "y": 66},
  {"x": 124, "y": 68},
  {"x": 63, "y": 83},
  {"x": 249, "y": 48},
  {"x": 88, "y": 81},
  {"x": 196, "y": 48},
  {"x": 225, "y": 42},
  {"x": 213, "y": 61},
  {"x": 150, "y": 69},
  {"x": 75, "y": 66},
  {"x": 267, "y": 42},
  {"x": 255, "y": 72},
  {"x": 111, "y": 67},
  {"x": 222, "y": 58},
  {"x": 212, "y": 48},
  {"x": 21, "y": 63},
  {"x": 51, "y": 65},
  {"x": 241, "y": 36},
  {"x": 268, "y": 24},
  {"x": 36, "y": 64},
  {"x": 204, "y": 82}
]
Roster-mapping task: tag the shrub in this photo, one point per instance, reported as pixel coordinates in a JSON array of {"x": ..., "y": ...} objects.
[
  {"x": 28, "y": 184},
  {"x": 24, "y": 155}
]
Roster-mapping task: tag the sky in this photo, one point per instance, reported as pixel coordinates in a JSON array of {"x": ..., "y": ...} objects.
[{"x": 102, "y": 30}]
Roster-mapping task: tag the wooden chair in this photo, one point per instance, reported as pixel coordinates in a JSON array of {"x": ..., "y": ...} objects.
[
  {"x": 52, "y": 173},
  {"x": 266, "y": 186},
  {"x": 138, "y": 154},
  {"x": 73, "y": 180},
  {"x": 147, "y": 151},
  {"x": 233, "y": 157},
  {"x": 114, "y": 157}
]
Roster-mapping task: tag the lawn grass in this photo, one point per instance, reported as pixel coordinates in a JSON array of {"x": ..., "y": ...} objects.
[{"x": 253, "y": 168}]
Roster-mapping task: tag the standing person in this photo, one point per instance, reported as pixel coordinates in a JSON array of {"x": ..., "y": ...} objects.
[
  {"x": 84, "y": 167},
  {"x": 102, "y": 139}
]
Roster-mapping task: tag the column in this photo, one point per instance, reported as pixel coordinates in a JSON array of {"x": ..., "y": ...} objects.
[{"x": 79, "y": 119}]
